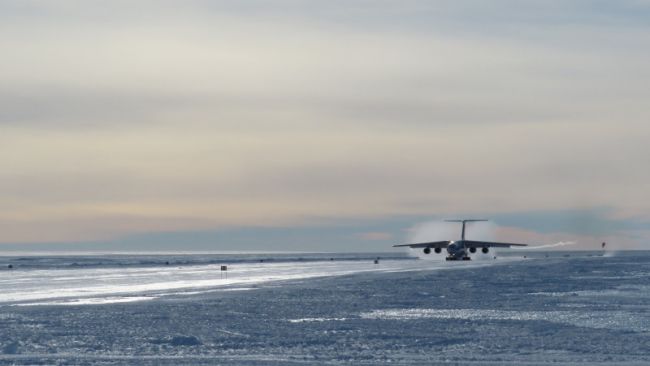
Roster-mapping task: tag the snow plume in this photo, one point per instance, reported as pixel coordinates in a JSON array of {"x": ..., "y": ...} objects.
[
  {"x": 545, "y": 246},
  {"x": 429, "y": 257},
  {"x": 610, "y": 254},
  {"x": 441, "y": 230}
]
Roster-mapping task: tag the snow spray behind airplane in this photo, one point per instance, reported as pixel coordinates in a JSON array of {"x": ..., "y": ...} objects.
[{"x": 544, "y": 246}]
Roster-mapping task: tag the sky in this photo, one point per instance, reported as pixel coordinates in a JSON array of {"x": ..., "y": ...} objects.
[{"x": 322, "y": 125}]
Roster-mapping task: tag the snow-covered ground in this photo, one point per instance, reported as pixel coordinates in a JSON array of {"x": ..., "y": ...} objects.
[
  {"x": 558, "y": 309},
  {"x": 97, "y": 284}
]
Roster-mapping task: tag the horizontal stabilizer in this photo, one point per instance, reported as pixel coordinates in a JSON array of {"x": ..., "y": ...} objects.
[{"x": 466, "y": 220}]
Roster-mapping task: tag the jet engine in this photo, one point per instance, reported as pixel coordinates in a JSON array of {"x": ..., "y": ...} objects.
[
  {"x": 472, "y": 250},
  {"x": 485, "y": 250},
  {"x": 438, "y": 250},
  {"x": 427, "y": 250}
]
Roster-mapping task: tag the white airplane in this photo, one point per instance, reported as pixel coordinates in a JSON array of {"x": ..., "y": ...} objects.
[{"x": 459, "y": 249}]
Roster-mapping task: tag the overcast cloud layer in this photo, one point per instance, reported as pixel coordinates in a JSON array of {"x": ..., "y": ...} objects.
[{"x": 131, "y": 117}]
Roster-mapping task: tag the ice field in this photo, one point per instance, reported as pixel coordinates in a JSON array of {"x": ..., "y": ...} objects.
[
  {"x": 84, "y": 281},
  {"x": 552, "y": 308}
]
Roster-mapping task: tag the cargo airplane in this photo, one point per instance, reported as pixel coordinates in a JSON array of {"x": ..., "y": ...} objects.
[{"x": 459, "y": 249}]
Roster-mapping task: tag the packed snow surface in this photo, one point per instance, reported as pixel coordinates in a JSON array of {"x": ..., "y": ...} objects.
[
  {"x": 550, "y": 308},
  {"x": 63, "y": 283}
]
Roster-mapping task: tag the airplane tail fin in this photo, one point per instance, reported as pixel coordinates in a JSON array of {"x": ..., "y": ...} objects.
[{"x": 464, "y": 221}]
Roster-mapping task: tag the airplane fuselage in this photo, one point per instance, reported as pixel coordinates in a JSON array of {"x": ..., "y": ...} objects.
[
  {"x": 456, "y": 250},
  {"x": 460, "y": 250}
]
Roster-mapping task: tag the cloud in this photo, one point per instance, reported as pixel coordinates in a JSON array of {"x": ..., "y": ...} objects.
[{"x": 215, "y": 114}]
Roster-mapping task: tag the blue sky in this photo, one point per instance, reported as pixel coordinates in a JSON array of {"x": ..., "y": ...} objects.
[{"x": 325, "y": 125}]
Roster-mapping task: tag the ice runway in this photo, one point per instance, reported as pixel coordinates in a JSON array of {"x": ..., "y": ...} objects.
[
  {"x": 560, "y": 309},
  {"x": 78, "y": 285}
]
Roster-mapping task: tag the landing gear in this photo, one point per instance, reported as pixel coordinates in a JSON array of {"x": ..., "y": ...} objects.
[
  {"x": 467, "y": 258},
  {"x": 458, "y": 259}
]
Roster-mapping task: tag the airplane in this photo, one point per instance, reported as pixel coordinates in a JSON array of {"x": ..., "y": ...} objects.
[{"x": 458, "y": 249}]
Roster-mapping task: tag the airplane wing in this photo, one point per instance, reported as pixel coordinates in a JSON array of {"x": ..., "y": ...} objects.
[
  {"x": 433, "y": 244},
  {"x": 488, "y": 244}
]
